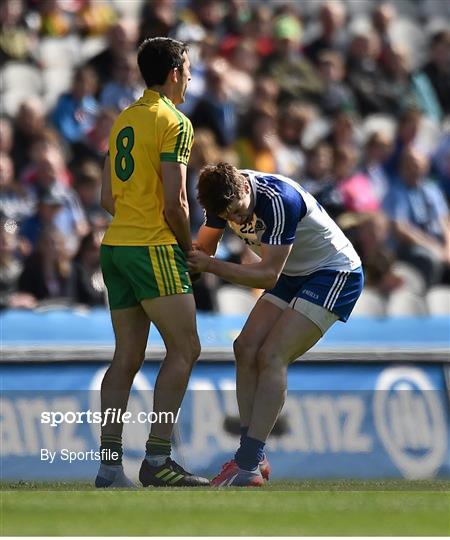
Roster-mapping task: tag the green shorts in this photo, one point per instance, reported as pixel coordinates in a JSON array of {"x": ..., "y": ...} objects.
[{"x": 133, "y": 273}]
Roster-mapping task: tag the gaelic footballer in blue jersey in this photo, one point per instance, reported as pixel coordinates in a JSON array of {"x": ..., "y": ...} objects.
[{"x": 312, "y": 277}]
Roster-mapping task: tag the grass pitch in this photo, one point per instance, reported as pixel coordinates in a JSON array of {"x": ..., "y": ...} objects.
[{"x": 307, "y": 508}]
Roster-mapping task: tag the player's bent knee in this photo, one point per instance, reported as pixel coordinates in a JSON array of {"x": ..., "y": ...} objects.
[{"x": 244, "y": 351}]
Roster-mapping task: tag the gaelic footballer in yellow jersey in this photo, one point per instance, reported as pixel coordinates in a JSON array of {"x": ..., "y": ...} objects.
[
  {"x": 145, "y": 134},
  {"x": 143, "y": 260}
]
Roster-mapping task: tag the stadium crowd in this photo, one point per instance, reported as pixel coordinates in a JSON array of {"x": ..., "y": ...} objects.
[{"x": 349, "y": 98}]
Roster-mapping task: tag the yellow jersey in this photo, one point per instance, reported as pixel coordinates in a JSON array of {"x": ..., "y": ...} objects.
[{"x": 151, "y": 130}]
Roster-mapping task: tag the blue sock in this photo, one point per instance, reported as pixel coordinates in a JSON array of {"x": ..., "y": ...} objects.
[
  {"x": 249, "y": 454},
  {"x": 244, "y": 431}
]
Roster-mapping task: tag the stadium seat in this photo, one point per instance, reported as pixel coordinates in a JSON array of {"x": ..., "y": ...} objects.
[
  {"x": 405, "y": 32},
  {"x": 358, "y": 7},
  {"x": 59, "y": 53},
  {"x": 412, "y": 278},
  {"x": 437, "y": 10},
  {"x": 370, "y": 304},
  {"x": 405, "y": 303},
  {"x": 379, "y": 123},
  {"x": 18, "y": 81},
  {"x": 233, "y": 300},
  {"x": 130, "y": 9},
  {"x": 438, "y": 300},
  {"x": 359, "y": 25},
  {"x": 436, "y": 24},
  {"x": 91, "y": 46},
  {"x": 429, "y": 135},
  {"x": 56, "y": 82},
  {"x": 314, "y": 131}
]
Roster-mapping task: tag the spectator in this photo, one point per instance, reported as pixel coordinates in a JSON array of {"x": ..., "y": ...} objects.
[
  {"x": 215, "y": 111},
  {"x": 293, "y": 72},
  {"x": 441, "y": 164},
  {"x": 15, "y": 203},
  {"x": 382, "y": 17},
  {"x": 267, "y": 89},
  {"x": 75, "y": 112},
  {"x": 260, "y": 147},
  {"x": 419, "y": 217},
  {"x": 292, "y": 122},
  {"x": 336, "y": 94},
  {"x": 6, "y": 135},
  {"x": 400, "y": 87},
  {"x": 125, "y": 87},
  {"x": 17, "y": 41},
  {"x": 49, "y": 204},
  {"x": 204, "y": 151},
  {"x": 407, "y": 135},
  {"x": 70, "y": 220},
  {"x": 94, "y": 18},
  {"x": 438, "y": 68},
  {"x": 209, "y": 14},
  {"x": 344, "y": 129},
  {"x": 319, "y": 180},
  {"x": 53, "y": 20},
  {"x": 47, "y": 141},
  {"x": 368, "y": 234},
  {"x": 47, "y": 273},
  {"x": 354, "y": 186},
  {"x": 333, "y": 36},
  {"x": 244, "y": 63},
  {"x": 378, "y": 148},
  {"x": 122, "y": 38},
  {"x": 88, "y": 179},
  {"x": 158, "y": 18},
  {"x": 94, "y": 145},
  {"x": 29, "y": 123},
  {"x": 364, "y": 74},
  {"x": 88, "y": 286},
  {"x": 258, "y": 28},
  {"x": 11, "y": 268}
]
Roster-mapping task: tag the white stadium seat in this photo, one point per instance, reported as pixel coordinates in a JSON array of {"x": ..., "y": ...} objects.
[
  {"x": 17, "y": 82},
  {"x": 405, "y": 303},
  {"x": 232, "y": 300},
  {"x": 379, "y": 123},
  {"x": 412, "y": 278},
  {"x": 59, "y": 53},
  {"x": 370, "y": 304},
  {"x": 438, "y": 300}
]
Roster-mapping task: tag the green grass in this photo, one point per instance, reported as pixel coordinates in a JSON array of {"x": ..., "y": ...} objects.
[{"x": 286, "y": 508}]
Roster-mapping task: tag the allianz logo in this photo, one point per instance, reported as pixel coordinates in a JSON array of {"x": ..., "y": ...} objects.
[{"x": 410, "y": 421}]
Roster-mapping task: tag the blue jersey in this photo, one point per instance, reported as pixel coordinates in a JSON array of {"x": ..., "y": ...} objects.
[{"x": 284, "y": 214}]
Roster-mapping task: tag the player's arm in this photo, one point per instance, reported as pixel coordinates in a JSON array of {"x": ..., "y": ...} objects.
[
  {"x": 106, "y": 196},
  {"x": 176, "y": 207},
  {"x": 261, "y": 275},
  {"x": 208, "y": 239}
]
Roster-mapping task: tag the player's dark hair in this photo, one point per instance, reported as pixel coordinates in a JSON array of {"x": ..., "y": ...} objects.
[
  {"x": 218, "y": 186},
  {"x": 156, "y": 57}
]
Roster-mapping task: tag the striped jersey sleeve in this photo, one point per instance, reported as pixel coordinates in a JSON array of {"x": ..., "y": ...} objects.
[
  {"x": 281, "y": 212},
  {"x": 177, "y": 135}
]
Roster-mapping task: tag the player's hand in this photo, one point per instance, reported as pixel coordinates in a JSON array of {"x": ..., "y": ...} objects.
[{"x": 198, "y": 261}]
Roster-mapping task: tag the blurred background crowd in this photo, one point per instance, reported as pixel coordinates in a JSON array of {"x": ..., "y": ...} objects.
[{"x": 349, "y": 98}]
